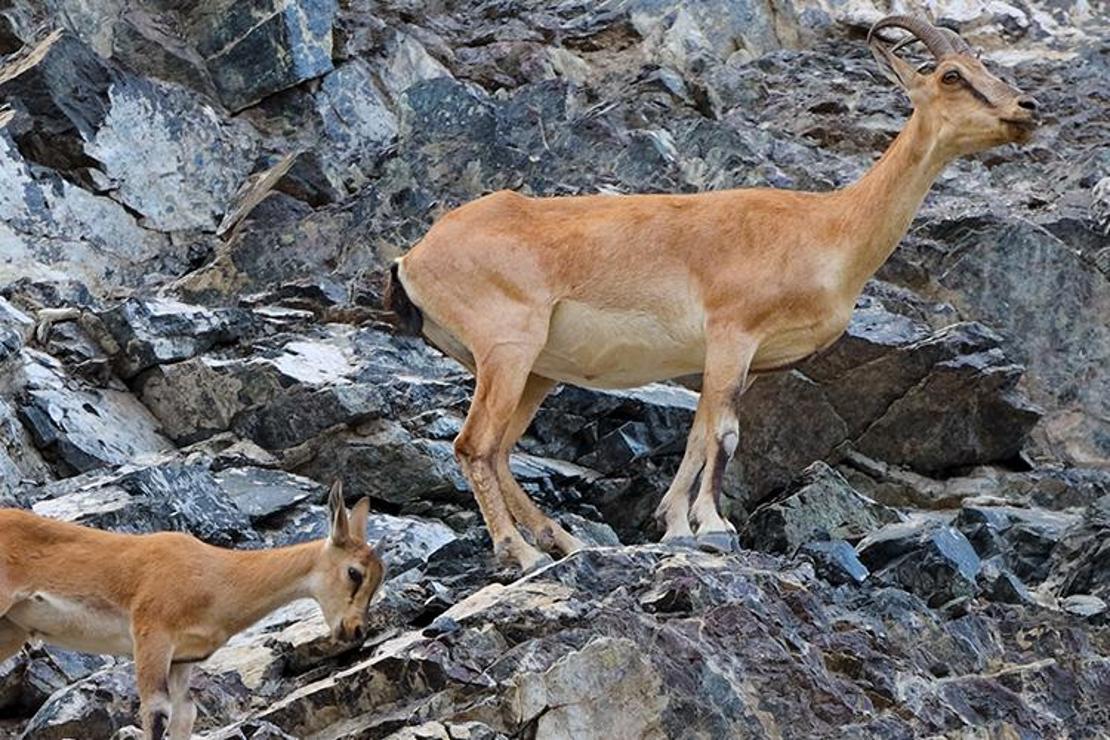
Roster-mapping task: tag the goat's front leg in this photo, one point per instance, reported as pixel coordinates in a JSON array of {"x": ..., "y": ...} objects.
[
  {"x": 12, "y": 638},
  {"x": 153, "y": 654},
  {"x": 728, "y": 359},
  {"x": 184, "y": 711},
  {"x": 547, "y": 533},
  {"x": 502, "y": 373}
]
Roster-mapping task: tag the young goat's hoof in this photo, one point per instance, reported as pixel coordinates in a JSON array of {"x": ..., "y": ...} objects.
[
  {"x": 541, "y": 562},
  {"x": 718, "y": 542},
  {"x": 680, "y": 542}
]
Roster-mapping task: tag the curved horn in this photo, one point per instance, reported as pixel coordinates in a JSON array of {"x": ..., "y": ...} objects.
[
  {"x": 933, "y": 38},
  {"x": 956, "y": 41}
]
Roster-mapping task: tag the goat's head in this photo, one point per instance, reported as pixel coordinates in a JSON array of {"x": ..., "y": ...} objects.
[
  {"x": 349, "y": 572},
  {"x": 968, "y": 107}
]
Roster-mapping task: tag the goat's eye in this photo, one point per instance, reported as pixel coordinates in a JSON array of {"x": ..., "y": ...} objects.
[
  {"x": 355, "y": 575},
  {"x": 951, "y": 77}
]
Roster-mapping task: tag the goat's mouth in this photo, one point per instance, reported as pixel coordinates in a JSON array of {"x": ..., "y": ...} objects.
[{"x": 1020, "y": 129}]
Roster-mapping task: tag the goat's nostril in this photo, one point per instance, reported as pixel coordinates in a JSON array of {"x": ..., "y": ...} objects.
[{"x": 1029, "y": 104}]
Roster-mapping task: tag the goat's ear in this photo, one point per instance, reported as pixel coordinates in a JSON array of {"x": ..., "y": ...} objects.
[
  {"x": 359, "y": 515},
  {"x": 896, "y": 70},
  {"x": 340, "y": 526}
]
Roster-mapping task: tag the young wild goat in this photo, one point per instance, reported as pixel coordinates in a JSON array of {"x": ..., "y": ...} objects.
[
  {"x": 616, "y": 291},
  {"x": 170, "y": 600}
]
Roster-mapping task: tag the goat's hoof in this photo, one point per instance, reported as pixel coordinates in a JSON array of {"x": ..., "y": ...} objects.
[
  {"x": 680, "y": 542},
  {"x": 718, "y": 542}
]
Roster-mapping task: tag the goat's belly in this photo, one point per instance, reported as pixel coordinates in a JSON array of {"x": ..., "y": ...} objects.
[
  {"x": 610, "y": 348},
  {"x": 74, "y": 625}
]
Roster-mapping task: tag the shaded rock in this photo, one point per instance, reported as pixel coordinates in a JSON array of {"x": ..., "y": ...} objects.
[
  {"x": 927, "y": 558},
  {"x": 158, "y": 331},
  {"x": 1024, "y": 538},
  {"x": 61, "y": 84},
  {"x": 254, "y": 49},
  {"x": 1027, "y": 266},
  {"x": 29, "y": 679},
  {"x": 94, "y": 707},
  {"x": 836, "y": 561},
  {"x": 819, "y": 502},
  {"x": 169, "y": 496}
]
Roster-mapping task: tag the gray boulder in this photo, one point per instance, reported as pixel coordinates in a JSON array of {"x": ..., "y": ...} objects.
[{"x": 819, "y": 504}]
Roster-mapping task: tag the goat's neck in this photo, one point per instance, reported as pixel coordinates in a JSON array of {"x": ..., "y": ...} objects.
[
  {"x": 259, "y": 581},
  {"x": 877, "y": 210}
]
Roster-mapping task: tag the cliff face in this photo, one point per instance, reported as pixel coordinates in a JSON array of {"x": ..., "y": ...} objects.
[{"x": 198, "y": 201}]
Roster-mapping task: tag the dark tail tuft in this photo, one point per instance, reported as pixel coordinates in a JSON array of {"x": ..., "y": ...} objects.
[{"x": 408, "y": 318}]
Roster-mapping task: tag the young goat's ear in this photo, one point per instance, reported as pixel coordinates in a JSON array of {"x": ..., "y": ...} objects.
[
  {"x": 896, "y": 70},
  {"x": 359, "y": 515},
  {"x": 340, "y": 526}
]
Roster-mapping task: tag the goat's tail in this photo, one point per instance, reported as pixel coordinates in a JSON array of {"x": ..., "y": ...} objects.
[{"x": 407, "y": 316}]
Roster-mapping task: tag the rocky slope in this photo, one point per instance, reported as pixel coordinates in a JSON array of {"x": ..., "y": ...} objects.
[{"x": 198, "y": 199}]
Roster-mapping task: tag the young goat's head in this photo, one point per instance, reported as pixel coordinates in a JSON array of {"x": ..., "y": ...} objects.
[
  {"x": 969, "y": 108},
  {"x": 349, "y": 573}
]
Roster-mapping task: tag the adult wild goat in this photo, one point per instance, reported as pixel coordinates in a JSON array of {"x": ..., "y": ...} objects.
[
  {"x": 170, "y": 600},
  {"x": 617, "y": 291}
]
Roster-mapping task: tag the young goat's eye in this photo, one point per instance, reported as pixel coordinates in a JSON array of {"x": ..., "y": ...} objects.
[
  {"x": 355, "y": 575},
  {"x": 951, "y": 77}
]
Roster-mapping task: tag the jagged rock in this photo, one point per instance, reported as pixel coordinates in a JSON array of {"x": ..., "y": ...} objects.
[
  {"x": 1084, "y": 606},
  {"x": 83, "y": 429},
  {"x": 999, "y": 584},
  {"x": 29, "y": 679},
  {"x": 160, "y": 331},
  {"x": 55, "y": 231},
  {"x": 256, "y": 48},
  {"x": 149, "y": 144},
  {"x": 357, "y": 122},
  {"x": 107, "y": 701},
  {"x": 1042, "y": 293},
  {"x": 168, "y": 496},
  {"x": 1080, "y": 562},
  {"x": 928, "y": 558},
  {"x": 507, "y": 653},
  {"x": 262, "y": 494},
  {"x": 819, "y": 502},
  {"x": 447, "y": 731},
  {"x": 61, "y": 85},
  {"x": 94, "y": 707},
  {"x": 1024, "y": 538},
  {"x": 836, "y": 561}
]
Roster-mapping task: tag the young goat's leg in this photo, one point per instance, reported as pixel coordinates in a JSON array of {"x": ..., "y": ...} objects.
[
  {"x": 726, "y": 378},
  {"x": 501, "y": 376},
  {"x": 153, "y": 653},
  {"x": 12, "y": 638},
  {"x": 184, "y": 712},
  {"x": 673, "y": 511},
  {"x": 548, "y": 534}
]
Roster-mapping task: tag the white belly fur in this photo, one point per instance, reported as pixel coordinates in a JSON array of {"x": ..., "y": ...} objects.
[
  {"x": 73, "y": 625},
  {"x": 618, "y": 348}
]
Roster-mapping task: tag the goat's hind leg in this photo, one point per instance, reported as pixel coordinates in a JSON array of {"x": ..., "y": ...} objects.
[{"x": 726, "y": 378}]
